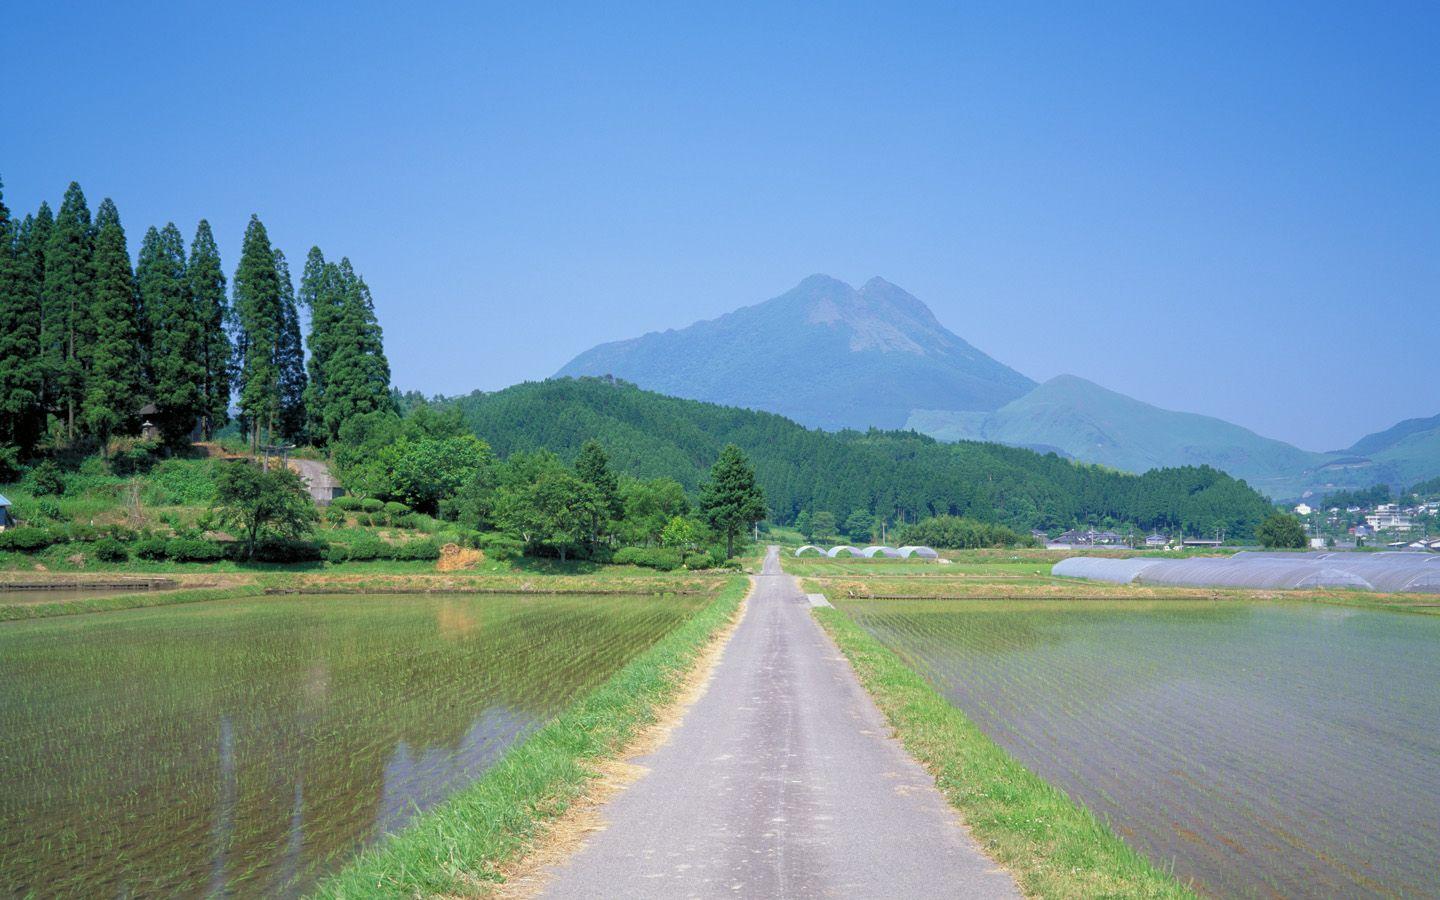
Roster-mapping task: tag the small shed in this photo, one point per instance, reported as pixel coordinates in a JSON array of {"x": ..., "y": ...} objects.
[
  {"x": 149, "y": 431},
  {"x": 6, "y": 520}
]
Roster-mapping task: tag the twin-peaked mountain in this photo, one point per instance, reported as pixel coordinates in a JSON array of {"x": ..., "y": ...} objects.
[
  {"x": 830, "y": 356},
  {"x": 824, "y": 354}
]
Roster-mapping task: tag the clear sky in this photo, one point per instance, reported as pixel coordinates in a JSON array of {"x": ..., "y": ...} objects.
[{"x": 1231, "y": 209}]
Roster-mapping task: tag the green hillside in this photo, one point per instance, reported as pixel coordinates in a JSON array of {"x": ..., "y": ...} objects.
[
  {"x": 889, "y": 473},
  {"x": 1093, "y": 424}
]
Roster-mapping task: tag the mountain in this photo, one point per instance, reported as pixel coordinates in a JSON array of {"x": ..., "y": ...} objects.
[
  {"x": 824, "y": 354},
  {"x": 895, "y": 474},
  {"x": 1402, "y": 455},
  {"x": 830, "y": 356},
  {"x": 1088, "y": 422}
]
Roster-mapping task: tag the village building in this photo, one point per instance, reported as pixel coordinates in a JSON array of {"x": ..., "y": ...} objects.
[{"x": 1388, "y": 517}]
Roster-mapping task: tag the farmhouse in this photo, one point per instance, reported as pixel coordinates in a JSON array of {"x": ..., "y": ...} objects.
[{"x": 1157, "y": 540}]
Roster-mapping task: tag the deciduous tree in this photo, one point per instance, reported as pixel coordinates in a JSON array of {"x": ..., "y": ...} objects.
[{"x": 261, "y": 503}]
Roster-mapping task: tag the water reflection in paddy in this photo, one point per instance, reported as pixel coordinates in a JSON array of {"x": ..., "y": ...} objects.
[
  {"x": 252, "y": 746},
  {"x": 1263, "y": 749}
]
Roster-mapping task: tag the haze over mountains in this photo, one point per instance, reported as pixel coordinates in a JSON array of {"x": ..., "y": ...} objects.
[{"x": 830, "y": 356}]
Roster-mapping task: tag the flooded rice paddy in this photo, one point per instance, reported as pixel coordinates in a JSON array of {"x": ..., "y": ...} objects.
[
  {"x": 1259, "y": 749},
  {"x": 250, "y": 747}
]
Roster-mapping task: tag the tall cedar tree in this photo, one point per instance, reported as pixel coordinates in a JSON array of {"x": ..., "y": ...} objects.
[
  {"x": 357, "y": 375},
  {"x": 593, "y": 467},
  {"x": 113, "y": 379},
  {"x": 731, "y": 500},
  {"x": 260, "y": 319},
  {"x": 65, "y": 328},
  {"x": 290, "y": 356},
  {"x": 19, "y": 335},
  {"x": 320, "y": 293},
  {"x": 177, "y": 355},
  {"x": 207, "y": 291}
]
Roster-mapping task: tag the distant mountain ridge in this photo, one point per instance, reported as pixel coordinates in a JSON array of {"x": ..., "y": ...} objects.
[
  {"x": 829, "y": 356},
  {"x": 1090, "y": 423},
  {"x": 823, "y": 354}
]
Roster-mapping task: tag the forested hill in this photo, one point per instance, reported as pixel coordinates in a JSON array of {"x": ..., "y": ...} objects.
[{"x": 893, "y": 474}]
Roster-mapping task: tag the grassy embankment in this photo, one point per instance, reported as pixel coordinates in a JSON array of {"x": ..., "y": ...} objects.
[
  {"x": 458, "y": 848},
  {"x": 1054, "y": 846}
]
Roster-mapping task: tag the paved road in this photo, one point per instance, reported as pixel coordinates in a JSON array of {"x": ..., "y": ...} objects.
[{"x": 780, "y": 782}]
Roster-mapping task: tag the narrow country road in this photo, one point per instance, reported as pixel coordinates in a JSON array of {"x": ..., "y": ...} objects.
[{"x": 781, "y": 781}]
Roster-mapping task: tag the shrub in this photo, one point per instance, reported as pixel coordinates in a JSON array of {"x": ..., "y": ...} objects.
[
  {"x": 45, "y": 480},
  {"x": 49, "y": 509},
  {"x": 346, "y": 502},
  {"x": 26, "y": 539},
  {"x": 80, "y": 534},
  {"x": 335, "y": 516},
  {"x": 393, "y": 509},
  {"x": 371, "y": 506},
  {"x": 289, "y": 550},
  {"x": 152, "y": 548},
  {"x": 418, "y": 550},
  {"x": 111, "y": 551},
  {"x": 650, "y": 557},
  {"x": 181, "y": 482},
  {"x": 409, "y": 520},
  {"x": 495, "y": 544},
  {"x": 369, "y": 548},
  {"x": 130, "y": 457},
  {"x": 337, "y": 553},
  {"x": 193, "y": 550}
]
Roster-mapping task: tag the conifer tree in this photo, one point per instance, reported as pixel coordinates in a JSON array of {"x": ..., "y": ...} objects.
[
  {"x": 207, "y": 290},
  {"x": 356, "y": 375},
  {"x": 319, "y": 293},
  {"x": 112, "y": 376},
  {"x": 290, "y": 356},
  {"x": 177, "y": 335},
  {"x": 593, "y": 467},
  {"x": 65, "y": 328},
  {"x": 258, "y": 316},
  {"x": 19, "y": 335},
  {"x": 732, "y": 500}
]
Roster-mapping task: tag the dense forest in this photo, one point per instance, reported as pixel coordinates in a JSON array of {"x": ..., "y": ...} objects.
[
  {"x": 88, "y": 339},
  {"x": 891, "y": 475}
]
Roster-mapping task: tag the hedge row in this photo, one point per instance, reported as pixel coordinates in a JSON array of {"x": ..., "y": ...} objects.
[
  {"x": 666, "y": 559},
  {"x": 119, "y": 545}
]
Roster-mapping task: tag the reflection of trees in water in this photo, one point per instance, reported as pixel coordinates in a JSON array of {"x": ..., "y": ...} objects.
[{"x": 246, "y": 745}]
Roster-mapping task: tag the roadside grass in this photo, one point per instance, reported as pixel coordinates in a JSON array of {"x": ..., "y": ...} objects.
[
  {"x": 1054, "y": 846},
  {"x": 458, "y": 848}
]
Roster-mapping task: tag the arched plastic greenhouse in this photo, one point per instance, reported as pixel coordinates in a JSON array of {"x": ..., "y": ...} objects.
[{"x": 1384, "y": 572}]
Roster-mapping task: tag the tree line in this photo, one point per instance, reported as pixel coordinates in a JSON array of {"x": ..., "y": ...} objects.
[
  {"x": 858, "y": 478},
  {"x": 429, "y": 460},
  {"x": 87, "y": 337}
]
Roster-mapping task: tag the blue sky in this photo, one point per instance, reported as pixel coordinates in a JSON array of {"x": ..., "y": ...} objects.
[{"x": 1232, "y": 209}]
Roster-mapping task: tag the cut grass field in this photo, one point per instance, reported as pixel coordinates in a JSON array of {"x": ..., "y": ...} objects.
[
  {"x": 461, "y": 847},
  {"x": 1055, "y": 847}
]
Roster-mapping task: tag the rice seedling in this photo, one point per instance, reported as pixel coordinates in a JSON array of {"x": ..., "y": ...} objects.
[
  {"x": 1280, "y": 749},
  {"x": 253, "y": 746}
]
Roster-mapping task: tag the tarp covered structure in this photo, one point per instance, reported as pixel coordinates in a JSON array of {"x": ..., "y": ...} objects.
[{"x": 1385, "y": 572}]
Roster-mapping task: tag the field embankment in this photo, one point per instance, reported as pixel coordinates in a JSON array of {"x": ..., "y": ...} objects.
[
  {"x": 1055, "y": 847},
  {"x": 459, "y": 848}
]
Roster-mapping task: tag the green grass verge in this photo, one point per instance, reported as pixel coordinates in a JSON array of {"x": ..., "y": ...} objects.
[
  {"x": 132, "y": 600},
  {"x": 1054, "y": 846},
  {"x": 459, "y": 847}
]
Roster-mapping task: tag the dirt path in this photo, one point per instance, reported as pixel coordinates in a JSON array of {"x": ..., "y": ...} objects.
[{"x": 782, "y": 781}]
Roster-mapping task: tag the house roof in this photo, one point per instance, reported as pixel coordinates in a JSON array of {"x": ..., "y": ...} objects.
[{"x": 148, "y": 409}]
